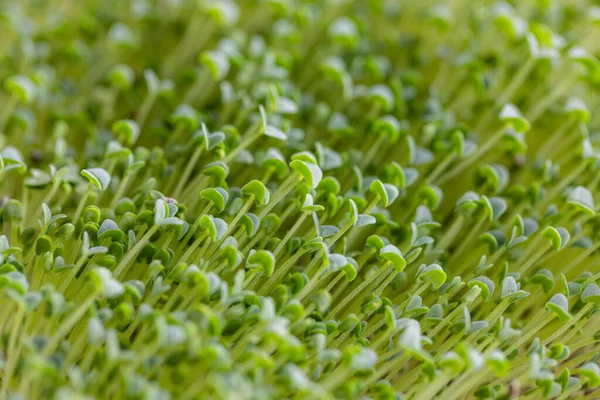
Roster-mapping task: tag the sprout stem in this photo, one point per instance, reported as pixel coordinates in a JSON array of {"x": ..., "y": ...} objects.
[
  {"x": 7, "y": 110},
  {"x": 359, "y": 289},
  {"x": 133, "y": 253},
  {"x": 191, "y": 163},
  {"x": 11, "y": 351},
  {"x": 286, "y": 186},
  {"x": 144, "y": 109},
  {"x": 190, "y": 250},
  {"x": 253, "y": 133},
  {"x": 279, "y": 272},
  {"x": 82, "y": 202},
  {"x": 72, "y": 274},
  {"x": 290, "y": 233},
  {"x": 525, "y": 337},
  {"x": 69, "y": 323},
  {"x": 559, "y": 332},
  {"x": 467, "y": 162}
]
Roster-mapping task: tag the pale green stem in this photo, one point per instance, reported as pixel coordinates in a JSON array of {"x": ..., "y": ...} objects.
[
  {"x": 340, "y": 306},
  {"x": 191, "y": 163},
  {"x": 82, "y": 202},
  {"x": 133, "y": 253}
]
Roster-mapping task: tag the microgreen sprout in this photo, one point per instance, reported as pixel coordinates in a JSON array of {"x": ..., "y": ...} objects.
[{"x": 299, "y": 199}]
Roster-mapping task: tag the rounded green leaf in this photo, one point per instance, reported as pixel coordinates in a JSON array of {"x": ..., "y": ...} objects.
[
  {"x": 591, "y": 373},
  {"x": 217, "y": 63},
  {"x": 350, "y": 269},
  {"x": 11, "y": 158},
  {"x": 577, "y": 109},
  {"x": 22, "y": 87},
  {"x": 582, "y": 199},
  {"x": 375, "y": 242},
  {"x": 512, "y": 116},
  {"x": 309, "y": 206},
  {"x": 98, "y": 176},
  {"x": 311, "y": 173},
  {"x": 212, "y": 140},
  {"x": 486, "y": 285},
  {"x": 126, "y": 129},
  {"x": 258, "y": 190},
  {"x": 218, "y": 170},
  {"x": 262, "y": 259},
  {"x": 274, "y": 159},
  {"x": 110, "y": 229},
  {"x": 558, "y": 236},
  {"x": 545, "y": 279},
  {"x": 392, "y": 254},
  {"x": 591, "y": 294},
  {"x": 511, "y": 289},
  {"x": 121, "y": 77},
  {"x": 215, "y": 226},
  {"x": 495, "y": 207},
  {"x": 432, "y": 273},
  {"x": 386, "y": 192},
  {"x": 585, "y": 58},
  {"x": 217, "y": 196},
  {"x": 102, "y": 278},
  {"x": 559, "y": 305},
  {"x": 436, "y": 313},
  {"x": 430, "y": 195},
  {"x": 251, "y": 223}
]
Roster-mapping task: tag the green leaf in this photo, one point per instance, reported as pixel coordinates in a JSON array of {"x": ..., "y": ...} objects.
[
  {"x": 497, "y": 361},
  {"x": 110, "y": 229},
  {"x": 436, "y": 313},
  {"x": 11, "y": 158},
  {"x": 328, "y": 158},
  {"x": 215, "y": 226},
  {"x": 582, "y": 199},
  {"x": 270, "y": 130},
  {"x": 212, "y": 140},
  {"x": 558, "y": 236},
  {"x": 486, "y": 285},
  {"x": 217, "y": 196},
  {"x": 309, "y": 206},
  {"x": 591, "y": 293},
  {"x": 585, "y": 58},
  {"x": 185, "y": 115},
  {"x": 512, "y": 290},
  {"x": 495, "y": 207},
  {"x": 98, "y": 176},
  {"x": 415, "y": 307},
  {"x": 102, "y": 278},
  {"x": 392, "y": 254},
  {"x": 545, "y": 279},
  {"x": 38, "y": 178},
  {"x": 275, "y": 160},
  {"x": 259, "y": 192},
  {"x": 262, "y": 259},
  {"x": 217, "y": 63},
  {"x": 218, "y": 170},
  {"x": 22, "y": 87},
  {"x": 577, "y": 109},
  {"x": 511, "y": 116},
  {"x": 559, "y": 305},
  {"x": 350, "y": 269},
  {"x": 311, "y": 173},
  {"x": 591, "y": 373},
  {"x": 251, "y": 223},
  {"x": 386, "y": 192},
  {"x": 432, "y": 273}
]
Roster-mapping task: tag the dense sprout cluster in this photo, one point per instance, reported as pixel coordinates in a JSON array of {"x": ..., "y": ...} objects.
[{"x": 264, "y": 199}]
